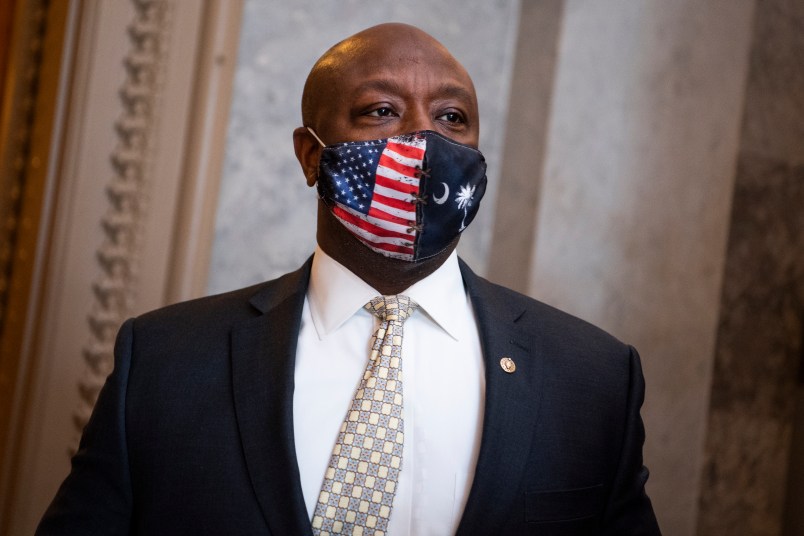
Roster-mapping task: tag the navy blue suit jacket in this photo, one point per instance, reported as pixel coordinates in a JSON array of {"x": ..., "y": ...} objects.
[{"x": 193, "y": 431}]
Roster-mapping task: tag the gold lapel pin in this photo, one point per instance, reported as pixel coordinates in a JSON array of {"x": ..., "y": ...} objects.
[{"x": 508, "y": 365}]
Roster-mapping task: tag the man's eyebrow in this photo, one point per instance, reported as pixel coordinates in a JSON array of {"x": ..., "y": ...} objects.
[
  {"x": 455, "y": 91},
  {"x": 447, "y": 89},
  {"x": 379, "y": 84}
]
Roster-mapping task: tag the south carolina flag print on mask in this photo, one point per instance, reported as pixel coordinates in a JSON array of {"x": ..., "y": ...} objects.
[{"x": 405, "y": 197}]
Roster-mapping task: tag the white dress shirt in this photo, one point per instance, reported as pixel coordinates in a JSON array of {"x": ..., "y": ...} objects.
[{"x": 443, "y": 390}]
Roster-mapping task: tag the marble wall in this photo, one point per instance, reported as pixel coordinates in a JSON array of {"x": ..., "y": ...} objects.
[
  {"x": 266, "y": 213},
  {"x": 634, "y": 204},
  {"x": 761, "y": 327}
]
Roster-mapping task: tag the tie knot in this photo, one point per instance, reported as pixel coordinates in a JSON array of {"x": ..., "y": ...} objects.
[{"x": 389, "y": 308}]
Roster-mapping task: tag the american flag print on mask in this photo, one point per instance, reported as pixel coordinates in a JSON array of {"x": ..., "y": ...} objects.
[
  {"x": 375, "y": 188},
  {"x": 407, "y": 197}
]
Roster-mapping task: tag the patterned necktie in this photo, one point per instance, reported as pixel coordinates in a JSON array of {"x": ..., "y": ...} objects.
[{"x": 362, "y": 475}]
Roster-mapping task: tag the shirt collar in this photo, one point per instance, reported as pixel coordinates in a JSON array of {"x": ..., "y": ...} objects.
[{"x": 335, "y": 294}]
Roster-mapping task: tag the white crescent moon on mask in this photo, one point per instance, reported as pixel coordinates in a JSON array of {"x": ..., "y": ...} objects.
[{"x": 443, "y": 198}]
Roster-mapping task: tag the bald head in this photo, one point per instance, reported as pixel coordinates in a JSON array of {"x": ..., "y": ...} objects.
[{"x": 391, "y": 56}]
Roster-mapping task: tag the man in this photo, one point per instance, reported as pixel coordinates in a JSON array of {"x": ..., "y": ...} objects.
[{"x": 221, "y": 414}]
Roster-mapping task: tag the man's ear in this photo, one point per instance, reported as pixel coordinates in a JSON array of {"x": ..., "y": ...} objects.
[{"x": 308, "y": 152}]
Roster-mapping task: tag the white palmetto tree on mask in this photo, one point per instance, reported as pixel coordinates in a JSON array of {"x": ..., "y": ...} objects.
[{"x": 464, "y": 200}]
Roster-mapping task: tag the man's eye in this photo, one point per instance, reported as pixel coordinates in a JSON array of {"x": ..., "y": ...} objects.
[
  {"x": 381, "y": 112},
  {"x": 451, "y": 117}
]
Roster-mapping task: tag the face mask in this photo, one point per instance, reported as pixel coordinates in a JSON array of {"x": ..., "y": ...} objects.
[{"x": 406, "y": 197}]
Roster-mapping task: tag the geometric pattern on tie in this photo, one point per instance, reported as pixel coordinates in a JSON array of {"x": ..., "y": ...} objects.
[{"x": 360, "y": 482}]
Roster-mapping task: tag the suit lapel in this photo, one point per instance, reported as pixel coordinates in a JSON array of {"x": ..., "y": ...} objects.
[
  {"x": 263, "y": 361},
  {"x": 511, "y": 408}
]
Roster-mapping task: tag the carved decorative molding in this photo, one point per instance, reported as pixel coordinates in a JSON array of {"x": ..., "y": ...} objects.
[{"x": 127, "y": 192}]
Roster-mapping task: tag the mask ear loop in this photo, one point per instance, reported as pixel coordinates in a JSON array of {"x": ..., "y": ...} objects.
[
  {"x": 311, "y": 131},
  {"x": 324, "y": 145}
]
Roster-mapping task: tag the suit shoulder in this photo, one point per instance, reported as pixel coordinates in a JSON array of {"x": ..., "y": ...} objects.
[
  {"x": 228, "y": 304},
  {"x": 569, "y": 327},
  {"x": 224, "y": 309}
]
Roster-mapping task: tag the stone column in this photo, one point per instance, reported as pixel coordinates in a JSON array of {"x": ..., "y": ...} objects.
[
  {"x": 523, "y": 154},
  {"x": 634, "y": 207}
]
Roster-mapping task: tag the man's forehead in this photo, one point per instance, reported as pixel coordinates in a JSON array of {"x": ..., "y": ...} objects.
[
  {"x": 364, "y": 65},
  {"x": 382, "y": 54}
]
